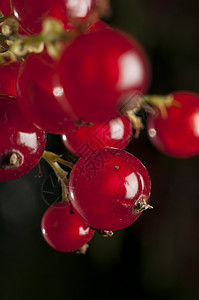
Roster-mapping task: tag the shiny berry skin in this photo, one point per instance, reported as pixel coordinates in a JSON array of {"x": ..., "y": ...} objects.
[
  {"x": 36, "y": 95},
  {"x": 8, "y": 78},
  {"x": 98, "y": 71},
  {"x": 116, "y": 132},
  {"x": 5, "y": 7},
  {"x": 63, "y": 229},
  {"x": 178, "y": 134},
  {"x": 107, "y": 188},
  {"x": 31, "y": 13},
  {"x": 98, "y": 26},
  {"x": 21, "y": 145}
]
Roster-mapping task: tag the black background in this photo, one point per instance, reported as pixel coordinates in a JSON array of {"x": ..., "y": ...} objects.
[{"x": 158, "y": 256}]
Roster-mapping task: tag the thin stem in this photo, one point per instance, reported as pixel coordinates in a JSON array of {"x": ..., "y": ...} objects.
[
  {"x": 53, "y": 159},
  {"x": 162, "y": 102},
  {"x": 157, "y": 100},
  {"x": 6, "y": 17},
  {"x": 148, "y": 102}
]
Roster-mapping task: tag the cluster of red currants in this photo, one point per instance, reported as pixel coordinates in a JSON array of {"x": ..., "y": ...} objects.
[{"x": 83, "y": 95}]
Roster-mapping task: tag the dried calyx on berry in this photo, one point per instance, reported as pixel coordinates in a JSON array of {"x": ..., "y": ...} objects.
[
  {"x": 11, "y": 160},
  {"x": 22, "y": 143}
]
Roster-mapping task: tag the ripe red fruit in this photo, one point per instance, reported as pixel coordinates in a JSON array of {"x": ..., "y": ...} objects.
[
  {"x": 5, "y": 7},
  {"x": 178, "y": 134},
  {"x": 98, "y": 26},
  {"x": 116, "y": 132},
  {"x": 22, "y": 144},
  {"x": 98, "y": 71},
  {"x": 108, "y": 188},
  {"x": 31, "y": 13},
  {"x": 8, "y": 78},
  {"x": 39, "y": 101},
  {"x": 63, "y": 229}
]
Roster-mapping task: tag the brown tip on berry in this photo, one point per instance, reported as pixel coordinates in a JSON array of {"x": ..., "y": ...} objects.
[
  {"x": 11, "y": 160},
  {"x": 141, "y": 205},
  {"x": 83, "y": 249},
  {"x": 106, "y": 233}
]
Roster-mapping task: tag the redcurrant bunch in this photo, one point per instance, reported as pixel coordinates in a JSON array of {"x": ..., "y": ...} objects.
[{"x": 75, "y": 76}]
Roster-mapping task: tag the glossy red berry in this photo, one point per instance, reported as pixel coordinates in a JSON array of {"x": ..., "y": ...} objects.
[
  {"x": 116, "y": 132},
  {"x": 98, "y": 26},
  {"x": 108, "y": 188},
  {"x": 63, "y": 229},
  {"x": 31, "y": 13},
  {"x": 178, "y": 134},
  {"x": 21, "y": 145},
  {"x": 8, "y": 78},
  {"x": 98, "y": 71},
  {"x": 39, "y": 101},
  {"x": 5, "y": 7}
]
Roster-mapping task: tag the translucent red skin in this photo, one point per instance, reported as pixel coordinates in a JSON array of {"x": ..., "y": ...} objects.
[
  {"x": 35, "y": 95},
  {"x": 116, "y": 133},
  {"x": 101, "y": 191},
  {"x": 98, "y": 78},
  {"x": 98, "y": 26},
  {"x": 31, "y": 13},
  {"x": 18, "y": 135},
  {"x": 63, "y": 230},
  {"x": 178, "y": 134},
  {"x": 8, "y": 78},
  {"x": 5, "y": 7}
]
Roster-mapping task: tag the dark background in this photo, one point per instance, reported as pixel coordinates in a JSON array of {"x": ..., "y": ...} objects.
[{"x": 158, "y": 256}]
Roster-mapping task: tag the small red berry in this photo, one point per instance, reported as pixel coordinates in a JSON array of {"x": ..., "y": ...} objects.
[
  {"x": 98, "y": 71},
  {"x": 40, "y": 102},
  {"x": 63, "y": 229},
  {"x": 8, "y": 78},
  {"x": 31, "y": 13},
  {"x": 116, "y": 133},
  {"x": 178, "y": 134},
  {"x": 110, "y": 189},
  {"x": 22, "y": 144}
]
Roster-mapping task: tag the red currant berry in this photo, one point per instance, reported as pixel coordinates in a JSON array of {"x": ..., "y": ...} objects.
[
  {"x": 110, "y": 189},
  {"x": 178, "y": 134},
  {"x": 98, "y": 26},
  {"x": 8, "y": 75},
  {"x": 63, "y": 229},
  {"x": 116, "y": 133},
  {"x": 5, "y": 7},
  {"x": 31, "y": 13},
  {"x": 98, "y": 70},
  {"x": 36, "y": 97},
  {"x": 22, "y": 144}
]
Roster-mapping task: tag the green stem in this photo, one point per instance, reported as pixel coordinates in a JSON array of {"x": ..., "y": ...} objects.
[
  {"x": 50, "y": 38},
  {"x": 6, "y": 18},
  {"x": 159, "y": 100},
  {"x": 53, "y": 159}
]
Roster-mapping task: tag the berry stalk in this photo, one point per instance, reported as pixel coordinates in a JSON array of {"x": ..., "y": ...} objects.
[{"x": 53, "y": 160}]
